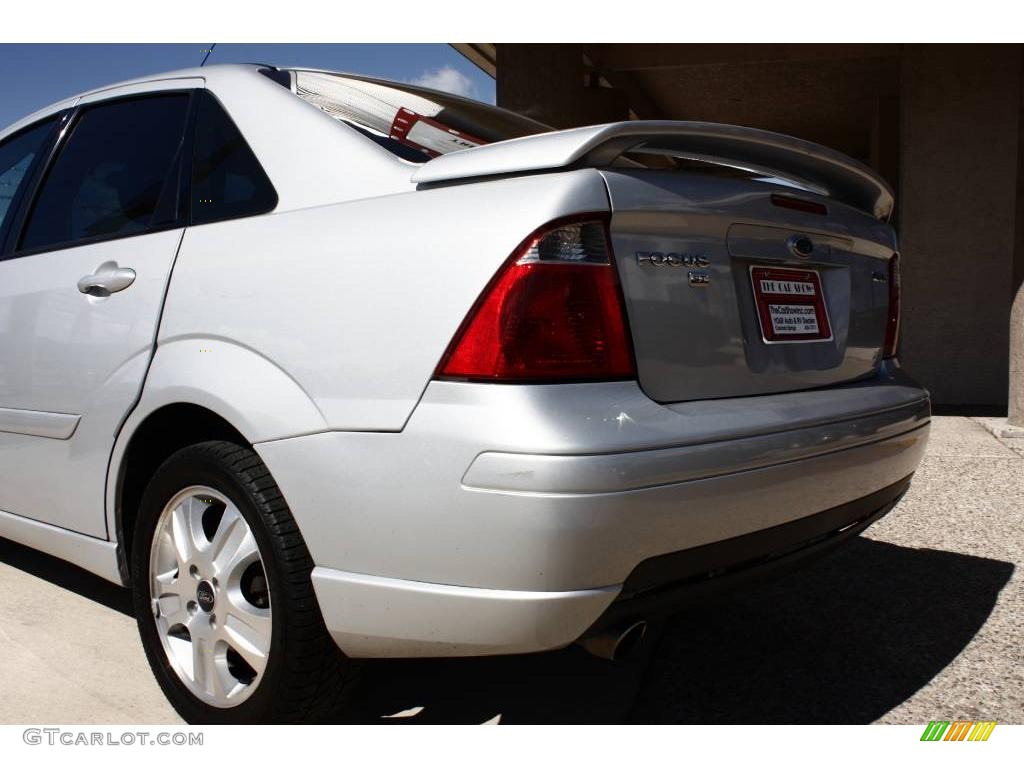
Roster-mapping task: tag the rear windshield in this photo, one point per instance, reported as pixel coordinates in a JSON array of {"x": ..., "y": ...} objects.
[
  {"x": 417, "y": 124},
  {"x": 414, "y": 123}
]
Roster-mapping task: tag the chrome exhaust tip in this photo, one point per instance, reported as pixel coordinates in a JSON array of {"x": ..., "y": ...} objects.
[{"x": 616, "y": 643}]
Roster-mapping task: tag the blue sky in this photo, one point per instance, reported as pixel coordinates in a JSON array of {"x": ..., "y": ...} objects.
[{"x": 34, "y": 75}]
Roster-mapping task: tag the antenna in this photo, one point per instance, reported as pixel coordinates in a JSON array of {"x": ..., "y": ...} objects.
[{"x": 208, "y": 52}]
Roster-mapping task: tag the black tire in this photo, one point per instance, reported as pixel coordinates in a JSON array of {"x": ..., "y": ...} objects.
[{"x": 307, "y": 678}]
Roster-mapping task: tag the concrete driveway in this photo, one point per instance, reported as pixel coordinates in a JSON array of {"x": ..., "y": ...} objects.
[{"x": 920, "y": 619}]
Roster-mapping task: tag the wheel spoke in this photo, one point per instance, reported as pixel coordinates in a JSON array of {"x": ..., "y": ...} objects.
[
  {"x": 204, "y": 665},
  {"x": 167, "y": 595},
  {"x": 215, "y": 676},
  {"x": 181, "y": 532},
  {"x": 229, "y": 531},
  {"x": 199, "y": 668},
  {"x": 172, "y": 610},
  {"x": 248, "y": 632},
  {"x": 238, "y": 550},
  {"x": 168, "y": 582}
]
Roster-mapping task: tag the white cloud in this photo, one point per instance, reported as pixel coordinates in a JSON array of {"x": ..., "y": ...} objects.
[{"x": 447, "y": 79}]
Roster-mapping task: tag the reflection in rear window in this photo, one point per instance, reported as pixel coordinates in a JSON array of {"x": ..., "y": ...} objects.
[{"x": 414, "y": 123}]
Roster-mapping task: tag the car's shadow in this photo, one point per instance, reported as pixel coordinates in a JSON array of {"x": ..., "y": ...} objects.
[
  {"x": 842, "y": 641},
  {"x": 66, "y": 576}
]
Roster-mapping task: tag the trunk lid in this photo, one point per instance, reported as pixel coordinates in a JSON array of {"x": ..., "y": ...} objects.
[{"x": 730, "y": 294}]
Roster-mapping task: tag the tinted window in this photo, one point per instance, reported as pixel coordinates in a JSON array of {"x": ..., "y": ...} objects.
[
  {"x": 109, "y": 177},
  {"x": 16, "y": 156},
  {"x": 227, "y": 179}
]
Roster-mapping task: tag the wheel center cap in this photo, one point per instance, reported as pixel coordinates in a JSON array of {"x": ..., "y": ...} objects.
[{"x": 205, "y": 596}]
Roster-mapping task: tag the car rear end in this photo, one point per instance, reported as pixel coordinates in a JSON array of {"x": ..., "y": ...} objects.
[
  {"x": 743, "y": 294},
  {"x": 691, "y": 384}
]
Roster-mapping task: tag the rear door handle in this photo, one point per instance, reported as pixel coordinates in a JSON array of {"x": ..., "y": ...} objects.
[{"x": 107, "y": 279}]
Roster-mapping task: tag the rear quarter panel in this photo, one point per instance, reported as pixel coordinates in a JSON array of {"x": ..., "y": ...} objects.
[{"x": 356, "y": 302}]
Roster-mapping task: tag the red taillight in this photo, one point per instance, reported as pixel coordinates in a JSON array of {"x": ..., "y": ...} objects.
[
  {"x": 552, "y": 313},
  {"x": 892, "y": 329}
]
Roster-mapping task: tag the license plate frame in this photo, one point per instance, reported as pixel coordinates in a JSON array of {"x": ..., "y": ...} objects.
[{"x": 790, "y": 304}]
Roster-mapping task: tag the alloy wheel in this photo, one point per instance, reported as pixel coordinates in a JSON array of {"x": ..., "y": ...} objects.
[{"x": 210, "y": 597}]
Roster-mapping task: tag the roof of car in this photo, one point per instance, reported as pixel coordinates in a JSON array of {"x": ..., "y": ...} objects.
[{"x": 208, "y": 73}]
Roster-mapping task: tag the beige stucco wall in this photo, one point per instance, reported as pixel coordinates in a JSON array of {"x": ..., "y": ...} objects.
[{"x": 958, "y": 177}]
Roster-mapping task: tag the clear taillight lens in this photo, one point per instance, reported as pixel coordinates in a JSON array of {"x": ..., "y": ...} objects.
[
  {"x": 554, "y": 312},
  {"x": 892, "y": 329}
]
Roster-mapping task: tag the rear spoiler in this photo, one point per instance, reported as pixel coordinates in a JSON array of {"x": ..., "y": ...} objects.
[{"x": 809, "y": 166}]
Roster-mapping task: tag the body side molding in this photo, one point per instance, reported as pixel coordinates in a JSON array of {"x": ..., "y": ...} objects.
[{"x": 59, "y": 426}]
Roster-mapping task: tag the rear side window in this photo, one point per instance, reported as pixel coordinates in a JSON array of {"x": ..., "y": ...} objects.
[
  {"x": 227, "y": 180},
  {"x": 114, "y": 170},
  {"x": 16, "y": 158}
]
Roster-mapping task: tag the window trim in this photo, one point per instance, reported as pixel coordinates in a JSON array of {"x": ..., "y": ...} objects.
[
  {"x": 26, "y": 189},
  {"x": 11, "y": 247}
]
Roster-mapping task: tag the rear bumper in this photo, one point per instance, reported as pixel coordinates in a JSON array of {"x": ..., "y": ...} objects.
[
  {"x": 375, "y": 617},
  {"x": 509, "y": 519},
  {"x": 372, "y": 616},
  {"x": 669, "y": 583}
]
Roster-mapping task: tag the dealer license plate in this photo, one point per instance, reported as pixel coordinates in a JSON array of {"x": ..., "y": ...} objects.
[{"x": 790, "y": 304}]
